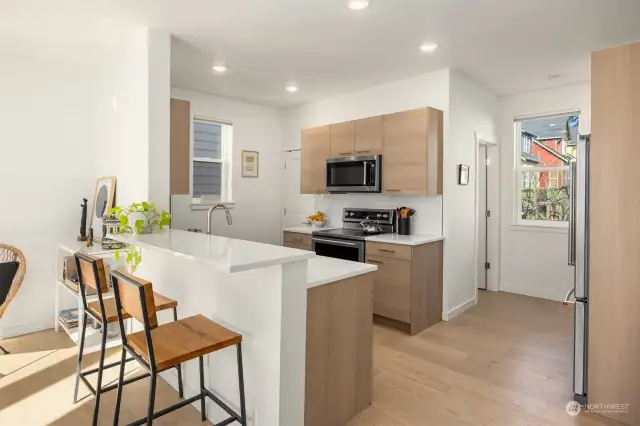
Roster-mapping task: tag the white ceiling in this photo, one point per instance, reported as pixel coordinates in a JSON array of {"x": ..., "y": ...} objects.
[{"x": 509, "y": 46}]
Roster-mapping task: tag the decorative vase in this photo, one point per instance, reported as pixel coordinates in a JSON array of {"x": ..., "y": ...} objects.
[{"x": 135, "y": 216}]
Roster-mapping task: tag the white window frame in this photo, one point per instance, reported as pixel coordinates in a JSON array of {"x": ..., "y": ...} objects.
[
  {"x": 528, "y": 145},
  {"x": 226, "y": 196},
  {"x": 517, "y": 221}
]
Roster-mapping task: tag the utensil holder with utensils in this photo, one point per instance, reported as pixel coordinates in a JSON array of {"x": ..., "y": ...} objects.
[
  {"x": 404, "y": 226},
  {"x": 404, "y": 220}
]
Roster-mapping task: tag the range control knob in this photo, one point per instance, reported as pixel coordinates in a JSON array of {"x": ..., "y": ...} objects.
[
  {"x": 378, "y": 215},
  {"x": 385, "y": 216}
]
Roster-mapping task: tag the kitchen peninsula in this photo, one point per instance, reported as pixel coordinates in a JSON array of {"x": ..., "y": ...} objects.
[{"x": 305, "y": 321}]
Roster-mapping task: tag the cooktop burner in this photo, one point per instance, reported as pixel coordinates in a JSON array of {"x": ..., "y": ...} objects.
[
  {"x": 345, "y": 233},
  {"x": 353, "y": 220}
]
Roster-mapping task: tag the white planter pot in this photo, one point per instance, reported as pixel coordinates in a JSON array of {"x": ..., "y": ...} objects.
[{"x": 135, "y": 216}]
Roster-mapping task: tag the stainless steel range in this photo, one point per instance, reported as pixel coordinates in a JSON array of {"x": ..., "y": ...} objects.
[{"x": 348, "y": 242}]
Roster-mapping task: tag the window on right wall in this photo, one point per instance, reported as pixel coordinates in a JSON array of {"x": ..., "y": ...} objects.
[{"x": 545, "y": 147}]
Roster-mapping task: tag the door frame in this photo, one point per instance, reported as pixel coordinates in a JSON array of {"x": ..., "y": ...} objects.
[
  {"x": 493, "y": 204},
  {"x": 286, "y": 156}
]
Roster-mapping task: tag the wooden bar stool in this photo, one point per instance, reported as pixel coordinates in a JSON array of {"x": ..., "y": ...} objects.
[
  {"x": 161, "y": 347},
  {"x": 91, "y": 274}
]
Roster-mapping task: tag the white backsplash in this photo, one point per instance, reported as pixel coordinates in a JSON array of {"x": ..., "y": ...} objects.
[{"x": 427, "y": 220}]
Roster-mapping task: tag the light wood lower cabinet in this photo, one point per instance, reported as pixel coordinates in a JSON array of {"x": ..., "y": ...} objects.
[
  {"x": 408, "y": 284},
  {"x": 339, "y": 368},
  {"x": 296, "y": 240},
  {"x": 392, "y": 297}
]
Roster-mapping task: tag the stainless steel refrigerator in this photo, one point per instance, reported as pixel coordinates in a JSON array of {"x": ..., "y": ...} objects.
[{"x": 579, "y": 259}]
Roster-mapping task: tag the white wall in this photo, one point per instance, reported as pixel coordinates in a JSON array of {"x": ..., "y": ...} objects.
[
  {"x": 74, "y": 108},
  {"x": 534, "y": 260},
  {"x": 425, "y": 90},
  {"x": 472, "y": 110},
  {"x": 467, "y": 108},
  {"x": 258, "y": 201},
  {"x": 159, "y": 95}
]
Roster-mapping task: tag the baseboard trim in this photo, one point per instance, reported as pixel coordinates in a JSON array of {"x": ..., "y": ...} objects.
[
  {"x": 454, "y": 312},
  {"x": 21, "y": 329}
]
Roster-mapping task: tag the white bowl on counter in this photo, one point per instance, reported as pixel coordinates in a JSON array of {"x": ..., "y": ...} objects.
[{"x": 319, "y": 223}]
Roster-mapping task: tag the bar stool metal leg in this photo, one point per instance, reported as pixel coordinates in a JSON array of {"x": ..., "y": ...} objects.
[
  {"x": 152, "y": 398},
  {"x": 4, "y": 351},
  {"x": 243, "y": 410},
  {"x": 80, "y": 350},
  {"x": 179, "y": 366},
  {"x": 203, "y": 410},
  {"x": 116, "y": 418},
  {"x": 103, "y": 348}
]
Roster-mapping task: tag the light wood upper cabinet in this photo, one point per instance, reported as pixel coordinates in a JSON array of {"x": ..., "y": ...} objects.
[
  {"x": 343, "y": 139},
  {"x": 180, "y": 145},
  {"x": 412, "y": 154},
  {"x": 410, "y": 143},
  {"x": 368, "y": 140},
  {"x": 316, "y": 148}
]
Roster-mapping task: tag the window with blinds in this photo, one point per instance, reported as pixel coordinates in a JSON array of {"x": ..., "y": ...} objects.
[{"x": 211, "y": 145}]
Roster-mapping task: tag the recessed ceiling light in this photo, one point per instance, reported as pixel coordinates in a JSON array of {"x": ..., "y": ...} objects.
[
  {"x": 428, "y": 47},
  {"x": 552, "y": 124},
  {"x": 219, "y": 69},
  {"x": 291, "y": 88},
  {"x": 358, "y": 4}
]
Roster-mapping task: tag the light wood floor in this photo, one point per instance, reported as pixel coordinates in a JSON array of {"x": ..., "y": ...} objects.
[{"x": 504, "y": 362}]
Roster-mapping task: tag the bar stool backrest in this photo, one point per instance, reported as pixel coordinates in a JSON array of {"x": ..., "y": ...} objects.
[
  {"x": 91, "y": 274},
  {"x": 135, "y": 296}
]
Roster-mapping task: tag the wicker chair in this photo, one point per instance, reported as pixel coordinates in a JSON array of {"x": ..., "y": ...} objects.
[{"x": 12, "y": 254}]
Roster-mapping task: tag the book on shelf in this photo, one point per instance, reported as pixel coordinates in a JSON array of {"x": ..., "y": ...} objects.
[{"x": 69, "y": 318}]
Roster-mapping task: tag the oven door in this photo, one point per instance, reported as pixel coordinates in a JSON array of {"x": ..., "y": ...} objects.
[
  {"x": 354, "y": 174},
  {"x": 339, "y": 249}
]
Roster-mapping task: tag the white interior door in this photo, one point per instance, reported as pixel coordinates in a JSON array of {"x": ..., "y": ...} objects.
[
  {"x": 482, "y": 217},
  {"x": 297, "y": 206}
]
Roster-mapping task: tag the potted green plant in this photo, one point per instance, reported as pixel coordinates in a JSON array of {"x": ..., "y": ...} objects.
[{"x": 139, "y": 218}]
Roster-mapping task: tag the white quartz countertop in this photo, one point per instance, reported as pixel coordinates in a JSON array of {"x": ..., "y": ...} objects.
[
  {"x": 324, "y": 270},
  {"x": 228, "y": 254},
  {"x": 408, "y": 240},
  {"x": 307, "y": 229}
]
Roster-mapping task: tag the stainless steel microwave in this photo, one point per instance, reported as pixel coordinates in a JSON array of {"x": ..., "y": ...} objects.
[{"x": 354, "y": 174}]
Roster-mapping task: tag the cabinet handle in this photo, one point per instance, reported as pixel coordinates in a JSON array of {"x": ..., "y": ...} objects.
[
  {"x": 387, "y": 251},
  {"x": 374, "y": 261},
  {"x": 362, "y": 152},
  {"x": 345, "y": 153},
  {"x": 393, "y": 190}
]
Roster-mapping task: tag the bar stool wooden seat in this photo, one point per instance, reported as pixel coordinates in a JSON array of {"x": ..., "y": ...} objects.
[
  {"x": 161, "y": 347},
  {"x": 92, "y": 275}
]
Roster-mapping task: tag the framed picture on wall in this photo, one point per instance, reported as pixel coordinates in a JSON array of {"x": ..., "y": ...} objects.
[
  {"x": 103, "y": 200},
  {"x": 250, "y": 164},
  {"x": 463, "y": 174}
]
